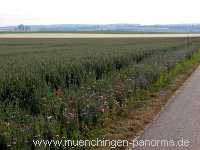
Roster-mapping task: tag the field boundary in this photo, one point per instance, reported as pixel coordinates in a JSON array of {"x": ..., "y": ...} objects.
[
  {"x": 156, "y": 101},
  {"x": 97, "y": 35},
  {"x": 169, "y": 97},
  {"x": 163, "y": 108}
]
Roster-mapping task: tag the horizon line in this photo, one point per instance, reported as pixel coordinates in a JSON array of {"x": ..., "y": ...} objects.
[{"x": 99, "y": 24}]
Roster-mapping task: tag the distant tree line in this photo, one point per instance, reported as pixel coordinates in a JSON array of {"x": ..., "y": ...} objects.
[{"x": 22, "y": 27}]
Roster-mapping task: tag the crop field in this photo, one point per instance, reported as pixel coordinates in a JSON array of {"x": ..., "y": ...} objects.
[
  {"x": 96, "y": 35},
  {"x": 51, "y": 88}
]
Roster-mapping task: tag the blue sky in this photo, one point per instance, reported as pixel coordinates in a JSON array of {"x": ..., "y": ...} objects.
[{"x": 13, "y": 12}]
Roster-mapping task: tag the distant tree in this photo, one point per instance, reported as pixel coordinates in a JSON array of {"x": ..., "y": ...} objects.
[{"x": 22, "y": 27}]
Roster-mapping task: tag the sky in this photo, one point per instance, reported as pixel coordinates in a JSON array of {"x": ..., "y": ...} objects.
[{"x": 147, "y": 12}]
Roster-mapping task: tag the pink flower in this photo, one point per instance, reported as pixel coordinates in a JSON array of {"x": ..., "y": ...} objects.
[
  {"x": 71, "y": 115},
  {"x": 102, "y": 110}
]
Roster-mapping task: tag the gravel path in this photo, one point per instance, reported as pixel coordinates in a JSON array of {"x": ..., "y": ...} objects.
[{"x": 178, "y": 125}]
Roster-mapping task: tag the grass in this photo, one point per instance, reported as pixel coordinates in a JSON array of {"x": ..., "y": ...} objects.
[
  {"x": 73, "y": 87},
  {"x": 150, "y": 102}
]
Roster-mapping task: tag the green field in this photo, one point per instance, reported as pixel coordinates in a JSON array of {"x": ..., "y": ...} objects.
[{"x": 52, "y": 88}]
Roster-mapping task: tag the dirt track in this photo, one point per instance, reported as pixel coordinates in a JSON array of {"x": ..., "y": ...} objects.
[
  {"x": 92, "y": 35},
  {"x": 180, "y": 120}
]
